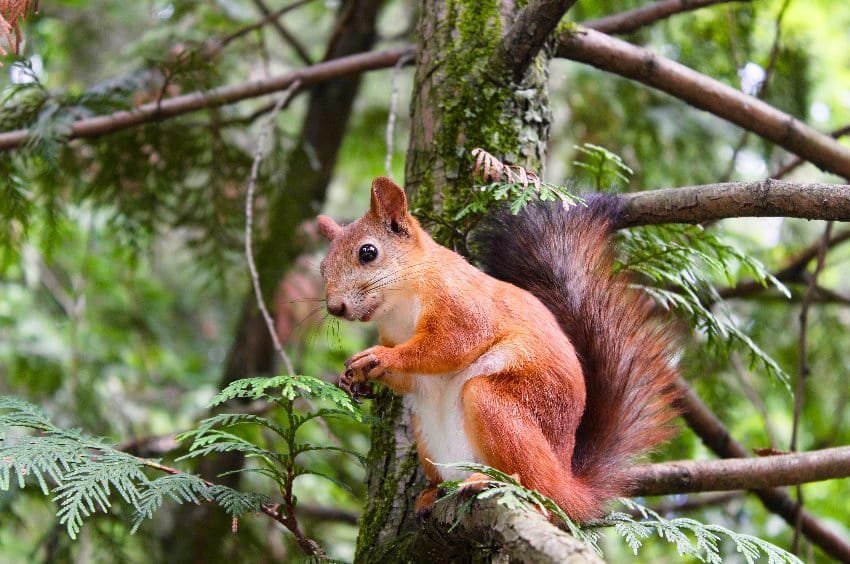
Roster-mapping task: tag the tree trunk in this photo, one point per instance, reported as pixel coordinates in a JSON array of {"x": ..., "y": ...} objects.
[{"x": 459, "y": 103}]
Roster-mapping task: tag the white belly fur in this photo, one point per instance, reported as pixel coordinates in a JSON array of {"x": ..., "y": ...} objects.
[
  {"x": 436, "y": 399},
  {"x": 438, "y": 407}
]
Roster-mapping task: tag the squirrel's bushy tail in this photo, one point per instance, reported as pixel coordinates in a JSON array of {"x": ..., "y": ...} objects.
[{"x": 565, "y": 258}]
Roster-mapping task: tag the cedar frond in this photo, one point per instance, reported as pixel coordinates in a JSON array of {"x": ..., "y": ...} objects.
[{"x": 12, "y": 13}]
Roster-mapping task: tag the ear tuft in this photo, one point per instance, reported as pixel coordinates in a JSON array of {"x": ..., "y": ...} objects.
[
  {"x": 389, "y": 204},
  {"x": 329, "y": 228}
]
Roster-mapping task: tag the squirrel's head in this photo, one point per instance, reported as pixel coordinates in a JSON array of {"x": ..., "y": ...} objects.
[{"x": 369, "y": 263}]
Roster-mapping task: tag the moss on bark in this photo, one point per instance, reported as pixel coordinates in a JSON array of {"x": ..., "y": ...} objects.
[{"x": 460, "y": 102}]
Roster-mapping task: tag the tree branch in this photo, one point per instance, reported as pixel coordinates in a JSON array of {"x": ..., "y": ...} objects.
[
  {"x": 791, "y": 273},
  {"x": 702, "y": 92},
  {"x": 631, "y": 20},
  {"x": 791, "y": 166},
  {"x": 533, "y": 26},
  {"x": 178, "y": 105},
  {"x": 765, "y": 198},
  {"x": 731, "y": 474},
  {"x": 307, "y": 544},
  {"x": 453, "y": 534},
  {"x": 717, "y": 438}
]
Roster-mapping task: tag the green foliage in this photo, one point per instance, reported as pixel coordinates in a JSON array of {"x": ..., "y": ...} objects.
[
  {"x": 606, "y": 170},
  {"x": 484, "y": 198},
  {"x": 683, "y": 263},
  {"x": 82, "y": 471},
  {"x": 705, "y": 545},
  {"x": 278, "y": 464},
  {"x": 689, "y": 536}
]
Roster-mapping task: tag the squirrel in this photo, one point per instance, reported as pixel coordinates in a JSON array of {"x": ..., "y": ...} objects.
[{"x": 547, "y": 365}]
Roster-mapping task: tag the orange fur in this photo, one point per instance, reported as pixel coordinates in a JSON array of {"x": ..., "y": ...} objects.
[{"x": 494, "y": 377}]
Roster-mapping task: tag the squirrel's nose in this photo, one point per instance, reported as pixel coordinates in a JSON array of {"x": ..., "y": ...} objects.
[{"x": 336, "y": 308}]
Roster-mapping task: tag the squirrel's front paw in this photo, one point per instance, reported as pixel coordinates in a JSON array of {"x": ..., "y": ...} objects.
[
  {"x": 356, "y": 390},
  {"x": 367, "y": 365}
]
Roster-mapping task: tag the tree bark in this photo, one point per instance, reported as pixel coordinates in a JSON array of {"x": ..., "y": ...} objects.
[
  {"x": 688, "y": 476},
  {"x": 764, "y": 198},
  {"x": 459, "y": 103}
]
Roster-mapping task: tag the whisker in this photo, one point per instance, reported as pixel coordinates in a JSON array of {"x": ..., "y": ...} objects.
[
  {"x": 385, "y": 275},
  {"x": 302, "y": 300},
  {"x": 313, "y": 312},
  {"x": 401, "y": 274},
  {"x": 384, "y": 284}
]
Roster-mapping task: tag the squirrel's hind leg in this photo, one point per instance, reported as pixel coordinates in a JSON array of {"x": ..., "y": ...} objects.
[{"x": 506, "y": 436}]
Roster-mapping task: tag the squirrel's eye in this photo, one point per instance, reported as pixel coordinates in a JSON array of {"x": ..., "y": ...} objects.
[{"x": 368, "y": 253}]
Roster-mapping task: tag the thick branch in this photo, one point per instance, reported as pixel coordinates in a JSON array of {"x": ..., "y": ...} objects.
[
  {"x": 627, "y": 22},
  {"x": 640, "y": 64},
  {"x": 741, "y": 473},
  {"x": 511, "y": 535},
  {"x": 178, "y": 105},
  {"x": 533, "y": 26},
  {"x": 716, "y": 437},
  {"x": 765, "y": 198}
]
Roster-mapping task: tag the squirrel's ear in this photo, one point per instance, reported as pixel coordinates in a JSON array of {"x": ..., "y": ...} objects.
[
  {"x": 389, "y": 204},
  {"x": 329, "y": 228}
]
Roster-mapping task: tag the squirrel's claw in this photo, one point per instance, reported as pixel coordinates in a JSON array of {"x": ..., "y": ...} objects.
[
  {"x": 354, "y": 388},
  {"x": 366, "y": 365}
]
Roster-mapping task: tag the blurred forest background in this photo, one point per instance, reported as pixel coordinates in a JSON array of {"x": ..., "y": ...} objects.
[{"x": 126, "y": 303}]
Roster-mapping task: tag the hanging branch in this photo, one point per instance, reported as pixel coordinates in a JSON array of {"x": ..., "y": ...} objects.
[
  {"x": 272, "y": 510},
  {"x": 249, "y": 220},
  {"x": 791, "y": 273}
]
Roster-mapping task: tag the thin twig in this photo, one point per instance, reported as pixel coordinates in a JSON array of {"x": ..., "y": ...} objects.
[
  {"x": 803, "y": 370},
  {"x": 388, "y": 161},
  {"x": 761, "y": 87},
  {"x": 265, "y": 132},
  {"x": 284, "y": 33},
  {"x": 791, "y": 273},
  {"x": 796, "y": 162},
  {"x": 745, "y": 380},
  {"x": 307, "y": 544},
  {"x": 268, "y": 17},
  {"x": 693, "y": 502}
]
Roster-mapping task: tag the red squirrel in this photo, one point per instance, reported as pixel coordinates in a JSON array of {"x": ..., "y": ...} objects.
[{"x": 549, "y": 366}]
